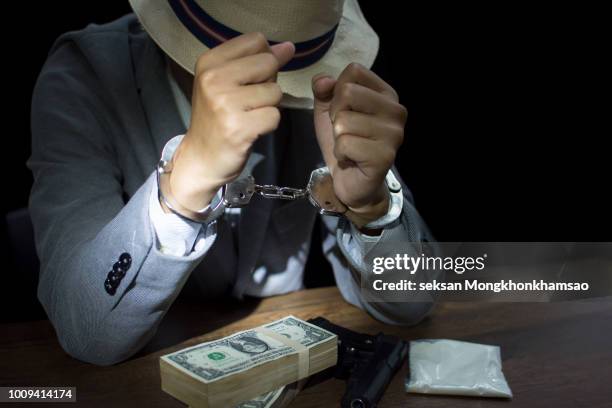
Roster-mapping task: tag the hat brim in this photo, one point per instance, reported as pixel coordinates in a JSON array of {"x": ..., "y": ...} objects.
[{"x": 355, "y": 41}]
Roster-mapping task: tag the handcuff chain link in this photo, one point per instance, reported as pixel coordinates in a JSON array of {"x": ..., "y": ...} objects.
[{"x": 282, "y": 193}]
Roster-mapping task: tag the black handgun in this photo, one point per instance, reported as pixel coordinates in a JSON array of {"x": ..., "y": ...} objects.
[{"x": 368, "y": 363}]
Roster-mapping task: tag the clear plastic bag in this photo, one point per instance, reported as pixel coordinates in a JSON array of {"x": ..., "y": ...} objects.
[{"x": 456, "y": 368}]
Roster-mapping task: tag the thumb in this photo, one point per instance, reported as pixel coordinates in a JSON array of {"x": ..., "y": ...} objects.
[
  {"x": 283, "y": 52},
  {"x": 322, "y": 91}
]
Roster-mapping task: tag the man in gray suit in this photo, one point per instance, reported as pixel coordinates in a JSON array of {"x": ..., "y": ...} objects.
[{"x": 117, "y": 244}]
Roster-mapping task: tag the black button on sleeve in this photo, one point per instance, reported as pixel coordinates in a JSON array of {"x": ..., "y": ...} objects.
[
  {"x": 119, "y": 269},
  {"x": 113, "y": 278},
  {"x": 126, "y": 260},
  {"x": 109, "y": 287}
]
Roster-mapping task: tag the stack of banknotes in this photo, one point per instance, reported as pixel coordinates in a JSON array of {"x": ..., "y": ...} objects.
[{"x": 248, "y": 365}]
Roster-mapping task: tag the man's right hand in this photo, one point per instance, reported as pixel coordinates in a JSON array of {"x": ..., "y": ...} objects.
[{"x": 234, "y": 101}]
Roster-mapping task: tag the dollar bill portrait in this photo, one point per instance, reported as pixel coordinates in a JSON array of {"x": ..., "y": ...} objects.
[{"x": 249, "y": 345}]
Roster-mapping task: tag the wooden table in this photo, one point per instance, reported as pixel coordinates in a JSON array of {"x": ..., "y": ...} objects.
[{"x": 554, "y": 354}]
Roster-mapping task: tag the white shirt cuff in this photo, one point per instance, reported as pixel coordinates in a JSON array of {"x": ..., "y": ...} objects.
[{"x": 175, "y": 235}]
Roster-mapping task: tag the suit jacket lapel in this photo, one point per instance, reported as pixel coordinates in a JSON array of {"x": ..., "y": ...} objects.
[{"x": 158, "y": 102}]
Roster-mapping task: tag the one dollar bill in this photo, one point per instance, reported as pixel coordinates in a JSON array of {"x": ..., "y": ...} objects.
[
  {"x": 263, "y": 401},
  {"x": 217, "y": 359}
]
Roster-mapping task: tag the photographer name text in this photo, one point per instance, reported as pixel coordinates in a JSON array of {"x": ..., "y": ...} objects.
[{"x": 476, "y": 285}]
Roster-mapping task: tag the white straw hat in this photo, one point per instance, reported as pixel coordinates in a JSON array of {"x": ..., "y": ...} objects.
[{"x": 329, "y": 34}]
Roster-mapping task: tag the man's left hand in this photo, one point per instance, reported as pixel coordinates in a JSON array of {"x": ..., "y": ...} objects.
[{"x": 359, "y": 125}]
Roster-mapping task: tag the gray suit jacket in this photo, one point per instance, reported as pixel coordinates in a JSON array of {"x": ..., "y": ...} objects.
[{"x": 102, "y": 111}]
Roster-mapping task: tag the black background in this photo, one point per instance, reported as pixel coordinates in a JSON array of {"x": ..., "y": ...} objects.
[{"x": 505, "y": 140}]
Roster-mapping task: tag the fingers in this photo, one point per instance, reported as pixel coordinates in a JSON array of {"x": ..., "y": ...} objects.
[
  {"x": 368, "y": 126},
  {"x": 358, "y": 74},
  {"x": 323, "y": 92},
  {"x": 251, "y": 69},
  {"x": 362, "y": 151},
  {"x": 241, "y": 46},
  {"x": 323, "y": 87},
  {"x": 263, "y": 120},
  {"x": 234, "y": 102},
  {"x": 255, "y": 96},
  {"x": 244, "y": 46},
  {"x": 356, "y": 97},
  {"x": 283, "y": 52}
]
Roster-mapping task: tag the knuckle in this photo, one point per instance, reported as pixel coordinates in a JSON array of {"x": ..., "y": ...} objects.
[
  {"x": 337, "y": 151},
  {"x": 338, "y": 129},
  {"x": 398, "y": 136},
  {"x": 402, "y": 112},
  {"x": 394, "y": 94},
  {"x": 275, "y": 116},
  {"x": 204, "y": 90},
  {"x": 341, "y": 123},
  {"x": 201, "y": 63},
  {"x": 277, "y": 92},
  {"x": 220, "y": 103},
  {"x": 241, "y": 143},
  {"x": 347, "y": 91},
  {"x": 208, "y": 77},
  {"x": 342, "y": 144},
  {"x": 258, "y": 38},
  {"x": 270, "y": 60},
  {"x": 243, "y": 147},
  {"x": 388, "y": 157},
  {"x": 231, "y": 129},
  {"x": 354, "y": 68}
]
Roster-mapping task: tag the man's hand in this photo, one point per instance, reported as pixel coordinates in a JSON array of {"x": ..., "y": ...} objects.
[
  {"x": 234, "y": 101},
  {"x": 360, "y": 125}
]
